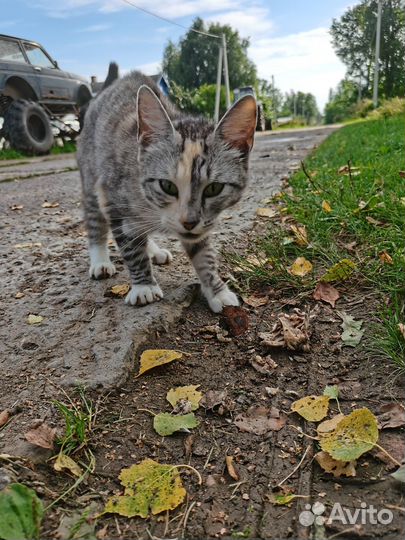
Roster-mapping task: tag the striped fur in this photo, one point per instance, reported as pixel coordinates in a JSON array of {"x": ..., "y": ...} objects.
[{"x": 134, "y": 147}]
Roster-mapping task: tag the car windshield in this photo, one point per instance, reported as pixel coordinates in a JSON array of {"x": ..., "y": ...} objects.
[
  {"x": 37, "y": 57},
  {"x": 10, "y": 51}
]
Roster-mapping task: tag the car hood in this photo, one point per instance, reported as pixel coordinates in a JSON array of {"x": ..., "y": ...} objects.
[{"x": 77, "y": 77}]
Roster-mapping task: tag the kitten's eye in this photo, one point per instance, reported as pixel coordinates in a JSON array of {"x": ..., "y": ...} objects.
[
  {"x": 212, "y": 190},
  {"x": 169, "y": 187}
]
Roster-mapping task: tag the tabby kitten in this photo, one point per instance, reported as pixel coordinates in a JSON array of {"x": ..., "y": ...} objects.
[{"x": 145, "y": 168}]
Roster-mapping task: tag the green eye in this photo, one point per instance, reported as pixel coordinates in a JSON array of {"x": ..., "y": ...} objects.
[
  {"x": 214, "y": 189},
  {"x": 169, "y": 187}
]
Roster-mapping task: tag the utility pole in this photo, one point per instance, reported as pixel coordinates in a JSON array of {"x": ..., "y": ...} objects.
[
  {"x": 295, "y": 105},
  {"x": 273, "y": 93},
  {"x": 377, "y": 54},
  {"x": 218, "y": 92},
  {"x": 226, "y": 73}
]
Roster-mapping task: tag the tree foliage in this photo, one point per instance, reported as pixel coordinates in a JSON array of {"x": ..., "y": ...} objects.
[
  {"x": 354, "y": 35},
  {"x": 193, "y": 61},
  {"x": 300, "y": 104}
]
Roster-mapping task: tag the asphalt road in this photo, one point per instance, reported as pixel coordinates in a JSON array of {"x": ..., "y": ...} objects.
[{"x": 85, "y": 336}]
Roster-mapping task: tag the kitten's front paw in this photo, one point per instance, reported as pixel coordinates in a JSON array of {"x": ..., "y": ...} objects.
[
  {"x": 224, "y": 298},
  {"x": 101, "y": 270},
  {"x": 143, "y": 294},
  {"x": 162, "y": 256}
]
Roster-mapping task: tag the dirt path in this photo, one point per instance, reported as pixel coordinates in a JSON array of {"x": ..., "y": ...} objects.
[{"x": 91, "y": 338}]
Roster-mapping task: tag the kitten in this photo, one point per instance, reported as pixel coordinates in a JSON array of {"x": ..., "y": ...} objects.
[{"x": 146, "y": 167}]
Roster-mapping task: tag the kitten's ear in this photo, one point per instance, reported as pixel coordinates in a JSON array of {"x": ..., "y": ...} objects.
[
  {"x": 237, "y": 127},
  {"x": 153, "y": 120}
]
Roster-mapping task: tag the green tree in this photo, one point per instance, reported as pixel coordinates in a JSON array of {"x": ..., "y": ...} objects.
[
  {"x": 353, "y": 37},
  {"x": 341, "y": 102},
  {"x": 302, "y": 104},
  {"x": 193, "y": 62}
]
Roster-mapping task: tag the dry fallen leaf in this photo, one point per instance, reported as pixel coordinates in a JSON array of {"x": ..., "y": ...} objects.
[
  {"x": 373, "y": 221},
  {"x": 301, "y": 267},
  {"x": 312, "y": 408},
  {"x": 291, "y": 331},
  {"x": 19, "y": 295},
  {"x": 43, "y": 436},
  {"x": 233, "y": 473},
  {"x": 28, "y": 245},
  {"x": 48, "y": 204},
  {"x": 346, "y": 170},
  {"x": 300, "y": 234},
  {"x": 217, "y": 399},
  {"x": 236, "y": 320},
  {"x": 266, "y": 212},
  {"x": 4, "y": 417},
  {"x": 120, "y": 290},
  {"x": 392, "y": 415},
  {"x": 255, "y": 300},
  {"x": 329, "y": 425},
  {"x": 260, "y": 420},
  {"x": 334, "y": 466},
  {"x": 402, "y": 174},
  {"x": 34, "y": 319},
  {"x": 157, "y": 357},
  {"x": 385, "y": 258},
  {"x": 401, "y": 328},
  {"x": 187, "y": 393},
  {"x": 326, "y": 292},
  {"x": 65, "y": 462},
  {"x": 326, "y": 207},
  {"x": 263, "y": 365},
  {"x": 17, "y": 206}
]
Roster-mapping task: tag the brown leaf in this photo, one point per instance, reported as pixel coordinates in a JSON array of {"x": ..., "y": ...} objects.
[
  {"x": 385, "y": 258},
  {"x": 337, "y": 468},
  {"x": 402, "y": 174},
  {"x": 43, "y": 436},
  {"x": 329, "y": 425},
  {"x": 263, "y": 365},
  {"x": 4, "y": 417},
  {"x": 233, "y": 473},
  {"x": 236, "y": 320},
  {"x": 300, "y": 234},
  {"x": 326, "y": 292},
  {"x": 188, "y": 446},
  {"x": 401, "y": 328},
  {"x": 392, "y": 415},
  {"x": 266, "y": 212},
  {"x": 217, "y": 399},
  {"x": 260, "y": 420},
  {"x": 291, "y": 331},
  {"x": 255, "y": 300}
]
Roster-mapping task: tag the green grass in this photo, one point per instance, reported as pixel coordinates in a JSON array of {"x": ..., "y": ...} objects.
[
  {"x": 368, "y": 213},
  {"x": 78, "y": 416},
  {"x": 68, "y": 148}
]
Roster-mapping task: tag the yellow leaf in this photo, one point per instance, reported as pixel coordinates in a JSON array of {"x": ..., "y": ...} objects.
[
  {"x": 334, "y": 466},
  {"x": 301, "y": 267},
  {"x": 340, "y": 271},
  {"x": 266, "y": 212},
  {"x": 65, "y": 462},
  {"x": 354, "y": 435},
  {"x": 312, "y": 408},
  {"x": 157, "y": 357},
  {"x": 149, "y": 487},
  {"x": 120, "y": 290},
  {"x": 386, "y": 258},
  {"x": 326, "y": 207},
  {"x": 300, "y": 233},
  {"x": 185, "y": 393},
  {"x": 34, "y": 319}
]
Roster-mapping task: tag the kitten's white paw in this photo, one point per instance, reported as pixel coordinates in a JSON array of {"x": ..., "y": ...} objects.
[
  {"x": 143, "y": 294},
  {"x": 101, "y": 270},
  {"x": 162, "y": 256},
  {"x": 224, "y": 298}
]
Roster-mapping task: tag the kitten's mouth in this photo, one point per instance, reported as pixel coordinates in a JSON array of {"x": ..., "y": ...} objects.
[{"x": 190, "y": 235}]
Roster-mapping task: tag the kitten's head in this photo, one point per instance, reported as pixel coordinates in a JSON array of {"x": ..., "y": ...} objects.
[{"x": 190, "y": 170}]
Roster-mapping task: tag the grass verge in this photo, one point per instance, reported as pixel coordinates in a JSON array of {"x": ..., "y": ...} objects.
[
  {"x": 350, "y": 199},
  {"x": 68, "y": 148}
]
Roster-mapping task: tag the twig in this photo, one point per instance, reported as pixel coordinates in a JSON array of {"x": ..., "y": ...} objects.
[
  {"x": 352, "y": 529},
  {"x": 310, "y": 180},
  {"x": 349, "y": 166},
  {"x": 296, "y": 468},
  {"x": 183, "y": 465},
  {"x": 393, "y": 507},
  {"x": 148, "y": 411},
  {"x": 208, "y": 458},
  {"x": 186, "y": 518}
]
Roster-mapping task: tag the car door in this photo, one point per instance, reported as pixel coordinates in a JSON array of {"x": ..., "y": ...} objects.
[
  {"x": 53, "y": 81},
  {"x": 13, "y": 62}
]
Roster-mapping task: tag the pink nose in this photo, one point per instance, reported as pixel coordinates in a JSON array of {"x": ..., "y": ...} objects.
[{"x": 189, "y": 225}]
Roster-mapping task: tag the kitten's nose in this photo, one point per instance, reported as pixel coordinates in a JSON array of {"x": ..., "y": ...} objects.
[{"x": 189, "y": 225}]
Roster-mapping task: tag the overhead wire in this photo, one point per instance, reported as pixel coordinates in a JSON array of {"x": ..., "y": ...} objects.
[{"x": 170, "y": 21}]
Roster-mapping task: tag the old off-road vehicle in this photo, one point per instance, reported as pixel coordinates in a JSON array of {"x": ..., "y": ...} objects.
[{"x": 33, "y": 92}]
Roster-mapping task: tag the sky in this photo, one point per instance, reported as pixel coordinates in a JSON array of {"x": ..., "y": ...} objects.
[{"x": 289, "y": 38}]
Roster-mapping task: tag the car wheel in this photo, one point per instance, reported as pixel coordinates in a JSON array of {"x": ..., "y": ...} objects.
[{"x": 28, "y": 128}]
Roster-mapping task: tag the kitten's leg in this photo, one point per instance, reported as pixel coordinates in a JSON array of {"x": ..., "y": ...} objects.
[
  {"x": 157, "y": 254},
  {"x": 134, "y": 250},
  {"x": 214, "y": 289},
  {"x": 97, "y": 230}
]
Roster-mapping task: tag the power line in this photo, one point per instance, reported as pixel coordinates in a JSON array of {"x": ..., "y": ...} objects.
[{"x": 170, "y": 21}]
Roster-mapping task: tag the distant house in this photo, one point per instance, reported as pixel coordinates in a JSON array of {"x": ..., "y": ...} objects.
[{"x": 160, "y": 79}]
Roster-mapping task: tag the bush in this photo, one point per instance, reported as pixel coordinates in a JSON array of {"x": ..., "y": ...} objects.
[
  {"x": 389, "y": 107},
  {"x": 362, "y": 108}
]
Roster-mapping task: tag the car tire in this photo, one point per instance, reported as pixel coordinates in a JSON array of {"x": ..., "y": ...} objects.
[{"x": 28, "y": 128}]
